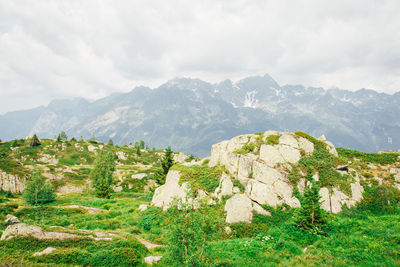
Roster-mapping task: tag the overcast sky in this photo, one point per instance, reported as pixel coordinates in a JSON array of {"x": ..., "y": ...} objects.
[{"x": 62, "y": 49}]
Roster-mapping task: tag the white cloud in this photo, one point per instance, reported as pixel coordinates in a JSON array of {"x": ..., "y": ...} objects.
[{"x": 57, "y": 49}]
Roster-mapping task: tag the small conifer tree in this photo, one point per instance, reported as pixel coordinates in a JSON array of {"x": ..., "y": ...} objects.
[
  {"x": 310, "y": 216},
  {"x": 102, "y": 174},
  {"x": 166, "y": 163},
  {"x": 35, "y": 141},
  {"x": 63, "y": 136},
  {"x": 110, "y": 142},
  {"x": 141, "y": 144}
]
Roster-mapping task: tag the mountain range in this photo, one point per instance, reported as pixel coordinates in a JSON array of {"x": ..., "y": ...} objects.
[{"x": 191, "y": 115}]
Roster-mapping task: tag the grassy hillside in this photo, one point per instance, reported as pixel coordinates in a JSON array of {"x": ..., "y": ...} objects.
[{"x": 365, "y": 235}]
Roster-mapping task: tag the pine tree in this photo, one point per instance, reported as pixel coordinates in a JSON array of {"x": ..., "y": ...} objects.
[
  {"x": 141, "y": 144},
  {"x": 35, "y": 141},
  {"x": 63, "y": 136},
  {"x": 166, "y": 163},
  {"x": 102, "y": 174},
  {"x": 73, "y": 139},
  {"x": 37, "y": 191},
  {"x": 138, "y": 151},
  {"x": 310, "y": 217},
  {"x": 110, "y": 142}
]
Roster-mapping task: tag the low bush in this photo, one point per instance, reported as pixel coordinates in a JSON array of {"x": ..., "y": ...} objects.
[
  {"x": 378, "y": 158},
  {"x": 380, "y": 199}
]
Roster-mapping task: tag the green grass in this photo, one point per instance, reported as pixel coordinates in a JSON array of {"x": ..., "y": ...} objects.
[
  {"x": 378, "y": 158},
  {"x": 200, "y": 177},
  {"x": 272, "y": 139}
]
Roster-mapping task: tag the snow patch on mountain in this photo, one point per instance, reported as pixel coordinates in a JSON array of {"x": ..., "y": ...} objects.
[{"x": 250, "y": 100}]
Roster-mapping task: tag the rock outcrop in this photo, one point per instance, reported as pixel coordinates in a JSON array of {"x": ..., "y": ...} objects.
[
  {"x": 334, "y": 200},
  {"x": 264, "y": 171},
  {"x": 165, "y": 194},
  {"x": 264, "y": 182},
  {"x": 24, "y": 230},
  {"x": 11, "y": 183}
]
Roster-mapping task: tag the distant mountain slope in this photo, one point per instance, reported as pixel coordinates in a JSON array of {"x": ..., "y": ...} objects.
[{"x": 191, "y": 114}]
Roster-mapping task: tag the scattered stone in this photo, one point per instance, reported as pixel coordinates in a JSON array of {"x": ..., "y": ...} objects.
[
  {"x": 148, "y": 244},
  {"x": 118, "y": 189},
  {"x": 66, "y": 189},
  {"x": 143, "y": 207},
  {"x": 228, "y": 230},
  {"x": 88, "y": 209},
  {"x": 139, "y": 176},
  {"x": 121, "y": 155},
  {"x": 152, "y": 259},
  {"x": 44, "y": 252},
  {"x": 92, "y": 148}
]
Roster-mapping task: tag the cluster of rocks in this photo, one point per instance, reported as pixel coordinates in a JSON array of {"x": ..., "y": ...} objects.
[{"x": 262, "y": 172}]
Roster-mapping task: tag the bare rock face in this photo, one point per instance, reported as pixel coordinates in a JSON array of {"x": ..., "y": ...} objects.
[
  {"x": 12, "y": 183},
  {"x": 333, "y": 201},
  {"x": 165, "y": 194},
  {"x": 240, "y": 208},
  {"x": 225, "y": 187}
]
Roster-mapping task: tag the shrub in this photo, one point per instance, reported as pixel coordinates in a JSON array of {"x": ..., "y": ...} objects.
[
  {"x": 272, "y": 139},
  {"x": 380, "y": 158},
  {"x": 35, "y": 141},
  {"x": 188, "y": 235},
  {"x": 246, "y": 148},
  {"x": 379, "y": 199},
  {"x": 37, "y": 191}
]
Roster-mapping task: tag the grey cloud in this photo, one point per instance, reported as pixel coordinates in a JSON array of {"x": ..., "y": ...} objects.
[{"x": 93, "y": 48}]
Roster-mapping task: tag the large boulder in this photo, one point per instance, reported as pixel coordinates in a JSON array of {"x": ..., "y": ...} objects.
[
  {"x": 165, "y": 194},
  {"x": 240, "y": 208},
  {"x": 24, "y": 230}
]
